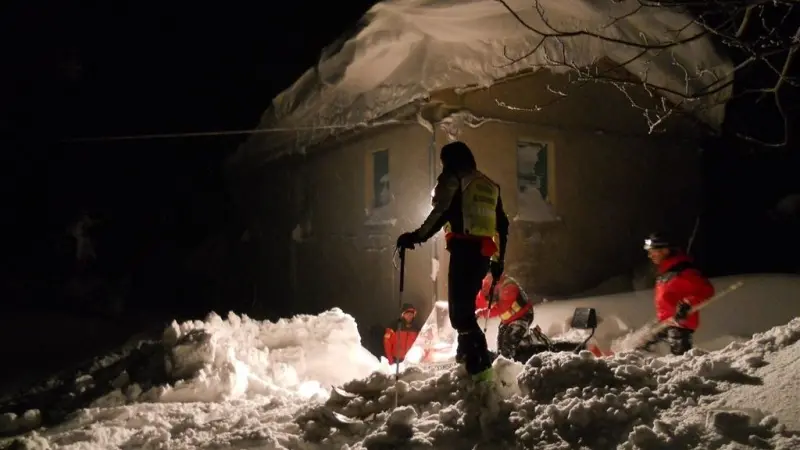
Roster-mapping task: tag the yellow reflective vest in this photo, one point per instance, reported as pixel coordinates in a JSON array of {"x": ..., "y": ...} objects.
[{"x": 479, "y": 197}]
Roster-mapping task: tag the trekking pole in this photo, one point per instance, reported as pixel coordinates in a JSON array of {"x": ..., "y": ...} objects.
[
  {"x": 490, "y": 302},
  {"x": 694, "y": 234},
  {"x": 402, "y": 252}
]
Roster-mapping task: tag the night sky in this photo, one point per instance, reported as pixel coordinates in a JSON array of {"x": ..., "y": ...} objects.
[
  {"x": 92, "y": 69},
  {"x": 81, "y": 69}
]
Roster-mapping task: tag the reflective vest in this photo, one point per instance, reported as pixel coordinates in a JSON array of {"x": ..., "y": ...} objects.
[
  {"x": 479, "y": 197},
  {"x": 518, "y": 306},
  {"x": 510, "y": 300}
]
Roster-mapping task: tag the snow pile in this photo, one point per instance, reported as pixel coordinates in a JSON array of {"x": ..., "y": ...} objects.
[
  {"x": 205, "y": 361},
  {"x": 703, "y": 400},
  {"x": 240, "y": 357},
  {"x": 565, "y": 401},
  {"x": 780, "y": 386},
  {"x": 404, "y": 50}
]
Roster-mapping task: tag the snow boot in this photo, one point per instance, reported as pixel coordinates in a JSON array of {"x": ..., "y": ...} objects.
[
  {"x": 483, "y": 377},
  {"x": 486, "y": 401}
]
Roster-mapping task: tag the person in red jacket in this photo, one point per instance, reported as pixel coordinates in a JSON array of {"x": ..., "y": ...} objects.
[
  {"x": 511, "y": 304},
  {"x": 397, "y": 342},
  {"x": 679, "y": 286}
]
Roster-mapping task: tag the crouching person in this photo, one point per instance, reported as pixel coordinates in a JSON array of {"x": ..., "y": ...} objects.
[
  {"x": 679, "y": 287},
  {"x": 511, "y": 304}
]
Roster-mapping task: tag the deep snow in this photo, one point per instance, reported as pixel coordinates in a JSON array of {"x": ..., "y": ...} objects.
[
  {"x": 404, "y": 50},
  {"x": 254, "y": 384},
  {"x": 764, "y": 301}
]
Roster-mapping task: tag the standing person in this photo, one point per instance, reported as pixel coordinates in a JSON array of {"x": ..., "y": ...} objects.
[
  {"x": 468, "y": 205},
  {"x": 679, "y": 287},
  {"x": 511, "y": 303},
  {"x": 397, "y": 342}
]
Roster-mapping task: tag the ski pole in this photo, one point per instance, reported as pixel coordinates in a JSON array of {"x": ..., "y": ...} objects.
[
  {"x": 490, "y": 302},
  {"x": 402, "y": 252}
]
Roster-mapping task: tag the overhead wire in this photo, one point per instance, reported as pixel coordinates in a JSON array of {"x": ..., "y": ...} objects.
[{"x": 203, "y": 133}]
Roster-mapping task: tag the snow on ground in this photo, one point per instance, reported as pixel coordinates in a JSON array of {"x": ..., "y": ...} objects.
[
  {"x": 252, "y": 384},
  {"x": 404, "y": 50},
  {"x": 239, "y": 357},
  {"x": 780, "y": 388},
  {"x": 295, "y": 360},
  {"x": 764, "y": 301}
]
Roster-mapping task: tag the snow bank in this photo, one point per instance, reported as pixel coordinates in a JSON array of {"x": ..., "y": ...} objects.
[
  {"x": 404, "y": 50},
  {"x": 215, "y": 360},
  {"x": 240, "y": 357},
  {"x": 566, "y": 401},
  {"x": 780, "y": 386},
  {"x": 702, "y": 400},
  {"x": 763, "y": 302}
]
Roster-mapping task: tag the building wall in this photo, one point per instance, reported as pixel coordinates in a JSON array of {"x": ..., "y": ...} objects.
[
  {"x": 610, "y": 183},
  {"x": 339, "y": 257}
]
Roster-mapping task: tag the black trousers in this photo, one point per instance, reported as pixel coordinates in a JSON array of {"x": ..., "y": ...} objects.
[
  {"x": 679, "y": 340},
  {"x": 465, "y": 276}
]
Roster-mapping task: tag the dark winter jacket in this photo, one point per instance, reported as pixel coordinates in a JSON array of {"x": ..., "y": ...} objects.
[{"x": 458, "y": 167}]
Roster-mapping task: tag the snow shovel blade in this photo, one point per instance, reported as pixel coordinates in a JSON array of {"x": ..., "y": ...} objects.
[
  {"x": 342, "y": 393},
  {"x": 337, "y": 419},
  {"x": 339, "y": 396},
  {"x": 644, "y": 334}
]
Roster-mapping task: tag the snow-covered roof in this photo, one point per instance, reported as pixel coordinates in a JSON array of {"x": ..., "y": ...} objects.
[{"x": 403, "y": 50}]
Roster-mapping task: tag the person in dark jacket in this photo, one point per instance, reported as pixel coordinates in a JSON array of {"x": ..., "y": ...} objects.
[
  {"x": 679, "y": 287},
  {"x": 468, "y": 205},
  {"x": 397, "y": 342}
]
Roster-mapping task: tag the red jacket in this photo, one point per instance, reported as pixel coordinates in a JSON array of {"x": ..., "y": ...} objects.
[
  {"x": 397, "y": 343},
  {"x": 510, "y": 301},
  {"x": 679, "y": 281}
]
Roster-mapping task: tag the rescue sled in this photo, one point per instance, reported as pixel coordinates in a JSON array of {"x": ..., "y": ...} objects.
[{"x": 582, "y": 319}]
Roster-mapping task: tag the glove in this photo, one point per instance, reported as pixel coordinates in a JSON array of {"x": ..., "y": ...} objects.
[
  {"x": 407, "y": 240},
  {"x": 497, "y": 268},
  {"x": 482, "y": 312},
  {"x": 682, "y": 311}
]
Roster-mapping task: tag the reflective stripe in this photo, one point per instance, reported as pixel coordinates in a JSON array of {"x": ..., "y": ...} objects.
[{"x": 515, "y": 307}]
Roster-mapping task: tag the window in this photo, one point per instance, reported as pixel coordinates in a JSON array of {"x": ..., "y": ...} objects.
[
  {"x": 380, "y": 179},
  {"x": 378, "y": 189},
  {"x": 534, "y": 183}
]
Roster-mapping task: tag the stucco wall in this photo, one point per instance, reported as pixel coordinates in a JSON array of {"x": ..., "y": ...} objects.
[
  {"x": 341, "y": 260},
  {"x": 609, "y": 191},
  {"x": 611, "y": 183}
]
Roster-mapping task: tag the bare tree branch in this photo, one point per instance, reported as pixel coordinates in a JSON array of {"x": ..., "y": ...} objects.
[{"x": 760, "y": 36}]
